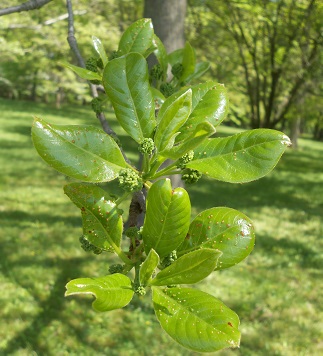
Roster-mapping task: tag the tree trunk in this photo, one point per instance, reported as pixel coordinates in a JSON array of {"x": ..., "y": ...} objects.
[
  {"x": 168, "y": 17},
  {"x": 295, "y": 130}
]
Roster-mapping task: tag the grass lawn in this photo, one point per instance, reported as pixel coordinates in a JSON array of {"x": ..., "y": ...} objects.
[{"x": 277, "y": 291}]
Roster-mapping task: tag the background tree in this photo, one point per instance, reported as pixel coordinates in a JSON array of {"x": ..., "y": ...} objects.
[{"x": 278, "y": 44}]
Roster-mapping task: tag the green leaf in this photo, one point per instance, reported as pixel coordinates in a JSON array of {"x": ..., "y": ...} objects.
[
  {"x": 188, "y": 269},
  {"x": 200, "y": 69},
  {"x": 223, "y": 229},
  {"x": 159, "y": 98},
  {"x": 241, "y": 158},
  {"x": 111, "y": 292},
  {"x": 101, "y": 216},
  {"x": 148, "y": 267},
  {"x": 188, "y": 62},
  {"x": 195, "y": 319},
  {"x": 167, "y": 218},
  {"x": 94, "y": 232},
  {"x": 82, "y": 72},
  {"x": 175, "y": 56},
  {"x": 81, "y": 152},
  {"x": 161, "y": 55},
  {"x": 201, "y": 132},
  {"x": 127, "y": 85},
  {"x": 137, "y": 38},
  {"x": 209, "y": 103},
  {"x": 98, "y": 46},
  {"x": 172, "y": 115}
]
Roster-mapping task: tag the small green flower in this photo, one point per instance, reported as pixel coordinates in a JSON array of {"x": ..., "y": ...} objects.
[
  {"x": 129, "y": 180},
  {"x": 182, "y": 162},
  {"x": 191, "y": 176},
  {"x": 88, "y": 247},
  {"x": 147, "y": 146}
]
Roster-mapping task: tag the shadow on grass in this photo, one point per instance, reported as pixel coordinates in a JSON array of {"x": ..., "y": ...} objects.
[
  {"x": 12, "y": 218},
  {"x": 51, "y": 308}
]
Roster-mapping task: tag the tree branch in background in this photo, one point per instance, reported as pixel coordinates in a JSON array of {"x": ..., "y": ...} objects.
[
  {"x": 75, "y": 49},
  {"x": 26, "y": 6}
]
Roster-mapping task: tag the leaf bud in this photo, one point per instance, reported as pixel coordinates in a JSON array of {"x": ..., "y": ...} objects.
[
  {"x": 114, "y": 54},
  {"x": 99, "y": 63},
  {"x": 116, "y": 268},
  {"x": 168, "y": 260},
  {"x": 167, "y": 89},
  {"x": 97, "y": 105},
  {"x": 156, "y": 72},
  {"x": 177, "y": 70},
  {"x": 91, "y": 64},
  {"x": 132, "y": 232},
  {"x": 147, "y": 146}
]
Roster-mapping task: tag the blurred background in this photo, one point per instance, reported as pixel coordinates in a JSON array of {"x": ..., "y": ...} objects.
[{"x": 268, "y": 53}]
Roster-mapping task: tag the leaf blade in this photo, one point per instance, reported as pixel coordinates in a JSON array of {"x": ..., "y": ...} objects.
[
  {"x": 209, "y": 103},
  {"x": 125, "y": 79},
  {"x": 82, "y": 72},
  {"x": 96, "y": 203},
  {"x": 111, "y": 292},
  {"x": 224, "y": 229},
  {"x": 171, "y": 117},
  {"x": 167, "y": 218},
  {"x": 138, "y": 37},
  {"x": 195, "y": 319},
  {"x": 188, "y": 269},
  {"x": 98, "y": 46},
  {"x": 81, "y": 152},
  {"x": 148, "y": 266},
  {"x": 240, "y": 158}
]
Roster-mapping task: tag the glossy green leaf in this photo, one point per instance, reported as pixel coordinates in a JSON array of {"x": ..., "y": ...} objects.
[
  {"x": 148, "y": 267},
  {"x": 223, "y": 229},
  {"x": 82, "y": 72},
  {"x": 167, "y": 218},
  {"x": 188, "y": 62},
  {"x": 161, "y": 55},
  {"x": 111, "y": 292},
  {"x": 81, "y": 152},
  {"x": 127, "y": 85},
  {"x": 201, "y": 132},
  {"x": 98, "y": 46},
  {"x": 159, "y": 98},
  {"x": 175, "y": 56},
  {"x": 209, "y": 103},
  {"x": 188, "y": 269},
  {"x": 172, "y": 115},
  {"x": 195, "y": 319},
  {"x": 199, "y": 70},
  {"x": 94, "y": 232},
  {"x": 138, "y": 37},
  {"x": 241, "y": 158},
  {"x": 94, "y": 202}
]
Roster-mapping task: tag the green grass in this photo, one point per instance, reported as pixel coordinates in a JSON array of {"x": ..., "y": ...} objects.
[{"x": 277, "y": 291}]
